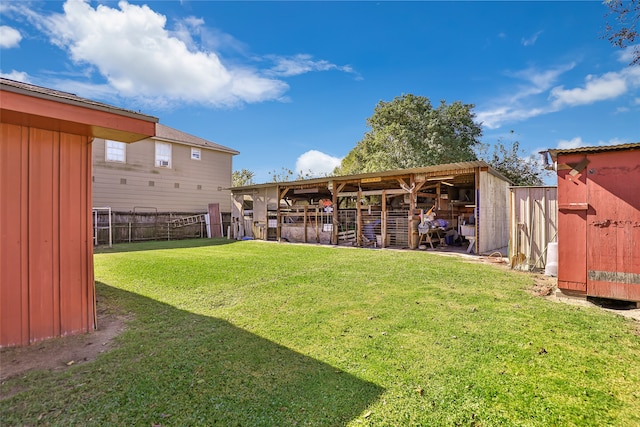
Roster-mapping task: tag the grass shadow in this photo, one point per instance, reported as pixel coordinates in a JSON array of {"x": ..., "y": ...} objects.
[
  {"x": 173, "y": 367},
  {"x": 162, "y": 244}
]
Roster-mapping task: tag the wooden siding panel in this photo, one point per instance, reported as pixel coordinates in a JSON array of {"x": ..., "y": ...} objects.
[
  {"x": 534, "y": 222},
  {"x": 14, "y": 277},
  {"x": 211, "y": 172},
  {"x": 72, "y": 268},
  {"x": 613, "y": 225},
  {"x": 46, "y": 250},
  {"x": 493, "y": 221},
  {"x": 43, "y": 286}
]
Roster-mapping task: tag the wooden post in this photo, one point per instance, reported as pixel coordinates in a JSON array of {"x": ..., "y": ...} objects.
[
  {"x": 359, "y": 219},
  {"x": 317, "y": 226},
  {"x": 334, "y": 219},
  {"x": 383, "y": 217},
  {"x": 278, "y": 217},
  {"x": 304, "y": 222}
]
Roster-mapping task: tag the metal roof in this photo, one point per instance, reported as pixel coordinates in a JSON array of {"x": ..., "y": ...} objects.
[
  {"x": 68, "y": 98},
  {"x": 166, "y": 133},
  {"x": 554, "y": 152},
  {"x": 461, "y": 167}
]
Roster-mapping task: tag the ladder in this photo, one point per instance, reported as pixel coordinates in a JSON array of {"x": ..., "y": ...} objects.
[{"x": 188, "y": 220}]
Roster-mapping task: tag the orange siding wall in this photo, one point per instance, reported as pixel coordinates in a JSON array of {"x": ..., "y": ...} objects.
[
  {"x": 46, "y": 269},
  {"x": 599, "y": 224}
]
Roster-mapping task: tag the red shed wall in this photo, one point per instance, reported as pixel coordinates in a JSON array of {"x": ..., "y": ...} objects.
[
  {"x": 607, "y": 232},
  {"x": 46, "y": 251}
]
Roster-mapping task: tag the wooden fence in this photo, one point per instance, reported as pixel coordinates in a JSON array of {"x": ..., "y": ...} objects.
[{"x": 129, "y": 227}]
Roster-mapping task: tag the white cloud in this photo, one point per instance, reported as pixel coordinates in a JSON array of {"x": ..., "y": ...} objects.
[
  {"x": 597, "y": 88},
  {"x": 520, "y": 104},
  {"x": 9, "y": 37},
  {"x": 316, "y": 163},
  {"x": 19, "y": 76},
  {"x": 627, "y": 54},
  {"x": 301, "y": 64},
  {"x": 530, "y": 41},
  {"x": 139, "y": 57},
  {"x": 526, "y": 102},
  {"x": 578, "y": 142},
  {"x": 566, "y": 144}
]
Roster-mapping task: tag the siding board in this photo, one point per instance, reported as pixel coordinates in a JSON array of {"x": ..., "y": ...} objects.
[
  {"x": 46, "y": 252},
  {"x": 212, "y": 171}
]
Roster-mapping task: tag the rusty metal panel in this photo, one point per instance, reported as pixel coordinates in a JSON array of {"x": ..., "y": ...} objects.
[
  {"x": 613, "y": 225},
  {"x": 572, "y": 224}
]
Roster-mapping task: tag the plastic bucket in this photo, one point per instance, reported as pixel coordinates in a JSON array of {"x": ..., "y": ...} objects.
[{"x": 551, "y": 269}]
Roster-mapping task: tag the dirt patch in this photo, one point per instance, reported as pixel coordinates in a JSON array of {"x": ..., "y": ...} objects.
[{"x": 61, "y": 353}]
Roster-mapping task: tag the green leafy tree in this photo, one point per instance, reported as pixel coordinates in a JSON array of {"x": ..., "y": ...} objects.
[
  {"x": 512, "y": 163},
  {"x": 623, "y": 20},
  {"x": 242, "y": 177},
  {"x": 408, "y": 132}
]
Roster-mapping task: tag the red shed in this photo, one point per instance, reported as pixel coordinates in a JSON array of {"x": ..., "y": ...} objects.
[
  {"x": 599, "y": 221},
  {"x": 46, "y": 249}
]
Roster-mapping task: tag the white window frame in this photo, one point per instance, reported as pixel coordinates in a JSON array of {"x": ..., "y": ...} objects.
[
  {"x": 196, "y": 153},
  {"x": 163, "y": 155},
  {"x": 115, "y": 151}
]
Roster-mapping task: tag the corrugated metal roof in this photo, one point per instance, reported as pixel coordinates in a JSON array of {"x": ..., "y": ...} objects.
[
  {"x": 554, "y": 152},
  {"x": 445, "y": 168},
  {"x": 173, "y": 135},
  {"x": 67, "y": 98}
]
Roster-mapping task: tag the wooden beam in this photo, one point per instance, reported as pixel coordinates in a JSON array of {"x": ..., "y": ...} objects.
[
  {"x": 284, "y": 193},
  {"x": 383, "y": 218},
  {"x": 278, "y": 216},
  {"x": 334, "y": 214},
  {"x": 304, "y": 222},
  {"x": 402, "y": 183},
  {"x": 371, "y": 193},
  {"x": 359, "y": 219}
]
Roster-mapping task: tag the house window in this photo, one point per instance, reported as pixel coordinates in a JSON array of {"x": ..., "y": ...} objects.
[
  {"x": 163, "y": 154},
  {"x": 195, "y": 153},
  {"x": 115, "y": 151}
]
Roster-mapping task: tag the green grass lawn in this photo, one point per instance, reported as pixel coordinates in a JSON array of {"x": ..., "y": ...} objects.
[{"x": 262, "y": 334}]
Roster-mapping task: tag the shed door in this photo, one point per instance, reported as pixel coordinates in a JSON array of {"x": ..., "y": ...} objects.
[
  {"x": 572, "y": 223},
  {"x": 613, "y": 225}
]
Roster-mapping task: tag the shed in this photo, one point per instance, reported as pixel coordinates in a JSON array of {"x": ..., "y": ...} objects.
[
  {"x": 46, "y": 249},
  {"x": 382, "y": 209},
  {"x": 599, "y": 221}
]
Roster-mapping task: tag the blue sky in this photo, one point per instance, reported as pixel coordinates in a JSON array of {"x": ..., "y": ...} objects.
[{"x": 291, "y": 84}]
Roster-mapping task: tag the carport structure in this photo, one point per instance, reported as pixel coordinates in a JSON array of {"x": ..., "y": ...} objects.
[{"x": 381, "y": 209}]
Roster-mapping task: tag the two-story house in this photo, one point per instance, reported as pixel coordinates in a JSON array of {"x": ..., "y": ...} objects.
[{"x": 171, "y": 172}]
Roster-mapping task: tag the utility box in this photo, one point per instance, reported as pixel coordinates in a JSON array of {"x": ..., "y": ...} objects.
[{"x": 599, "y": 221}]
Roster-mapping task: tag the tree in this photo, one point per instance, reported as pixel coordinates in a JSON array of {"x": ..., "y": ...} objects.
[
  {"x": 511, "y": 163},
  {"x": 408, "y": 132},
  {"x": 242, "y": 177},
  {"x": 622, "y": 25},
  {"x": 287, "y": 174}
]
